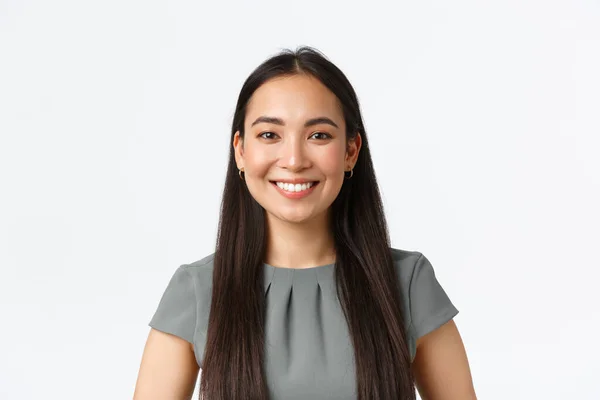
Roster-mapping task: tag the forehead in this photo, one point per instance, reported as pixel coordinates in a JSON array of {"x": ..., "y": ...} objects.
[{"x": 294, "y": 99}]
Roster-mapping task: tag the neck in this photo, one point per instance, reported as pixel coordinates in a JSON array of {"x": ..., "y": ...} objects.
[{"x": 299, "y": 245}]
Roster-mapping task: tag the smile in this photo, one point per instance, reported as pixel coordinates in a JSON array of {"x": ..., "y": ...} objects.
[{"x": 295, "y": 191}]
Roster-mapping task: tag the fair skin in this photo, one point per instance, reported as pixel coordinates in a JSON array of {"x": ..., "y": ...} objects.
[
  {"x": 441, "y": 367},
  {"x": 298, "y": 234},
  {"x": 168, "y": 369}
]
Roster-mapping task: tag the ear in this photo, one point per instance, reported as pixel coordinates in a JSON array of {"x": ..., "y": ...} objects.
[
  {"x": 238, "y": 148},
  {"x": 352, "y": 150}
]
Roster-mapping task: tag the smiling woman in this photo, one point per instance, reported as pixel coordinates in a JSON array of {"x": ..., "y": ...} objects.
[
  {"x": 303, "y": 296},
  {"x": 306, "y": 143}
]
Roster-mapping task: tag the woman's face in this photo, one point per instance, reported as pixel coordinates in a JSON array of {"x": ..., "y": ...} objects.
[{"x": 294, "y": 134}]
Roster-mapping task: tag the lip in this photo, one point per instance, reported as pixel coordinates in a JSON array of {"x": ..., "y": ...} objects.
[
  {"x": 295, "y": 195},
  {"x": 294, "y": 181}
]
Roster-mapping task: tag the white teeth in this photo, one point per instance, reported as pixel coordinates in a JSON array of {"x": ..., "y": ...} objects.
[{"x": 294, "y": 188}]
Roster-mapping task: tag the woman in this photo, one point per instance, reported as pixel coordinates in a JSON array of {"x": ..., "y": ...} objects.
[{"x": 303, "y": 296}]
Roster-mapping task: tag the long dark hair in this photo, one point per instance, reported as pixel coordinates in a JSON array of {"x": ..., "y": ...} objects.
[{"x": 366, "y": 281}]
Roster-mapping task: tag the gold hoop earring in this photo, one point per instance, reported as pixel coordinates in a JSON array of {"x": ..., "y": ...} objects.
[{"x": 240, "y": 173}]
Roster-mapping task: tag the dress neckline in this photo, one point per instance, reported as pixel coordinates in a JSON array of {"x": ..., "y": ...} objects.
[{"x": 301, "y": 270}]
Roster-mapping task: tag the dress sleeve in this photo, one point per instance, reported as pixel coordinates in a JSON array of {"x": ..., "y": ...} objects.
[
  {"x": 176, "y": 312},
  {"x": 430, "y": 306}
]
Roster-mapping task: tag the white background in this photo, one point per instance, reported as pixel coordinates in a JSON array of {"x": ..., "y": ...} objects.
[{"x": 115, "y": 115}]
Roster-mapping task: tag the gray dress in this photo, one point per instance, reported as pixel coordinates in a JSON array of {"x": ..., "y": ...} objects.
[{"x": 308, "y": 352}]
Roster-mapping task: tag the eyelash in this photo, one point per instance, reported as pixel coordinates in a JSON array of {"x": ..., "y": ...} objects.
[{"x": 327, "y": 135}]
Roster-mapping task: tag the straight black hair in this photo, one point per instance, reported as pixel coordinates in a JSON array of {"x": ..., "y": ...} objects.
[{"x": 366, "y": 281}]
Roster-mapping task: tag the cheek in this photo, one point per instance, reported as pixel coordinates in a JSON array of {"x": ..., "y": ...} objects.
[
  {"x": 332, "y": 162},
  {"x": 257, "y": 162}
]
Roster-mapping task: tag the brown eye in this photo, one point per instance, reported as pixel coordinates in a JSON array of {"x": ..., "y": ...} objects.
[
  {"x": 262, "y": 135},
  {"x": 323, "y": 135}
]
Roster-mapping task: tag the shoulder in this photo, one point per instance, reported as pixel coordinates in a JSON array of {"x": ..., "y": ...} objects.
[
  {"x": 405, "y": 262},
  {"x": 405, "y": 258},
  {"x": 200, "y": 273},
  {"x": 200, "y": 269},
  {"x": 205, "y": 263},
  {"x": 417, "y": 276}
]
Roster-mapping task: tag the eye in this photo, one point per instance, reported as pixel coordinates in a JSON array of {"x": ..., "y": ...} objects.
[
  {"x": 324, "y": 135},
  {"x": 262, "y": 135}
]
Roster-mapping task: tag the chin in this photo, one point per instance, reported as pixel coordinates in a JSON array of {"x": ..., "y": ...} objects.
[{"x": 295, "y": 218}]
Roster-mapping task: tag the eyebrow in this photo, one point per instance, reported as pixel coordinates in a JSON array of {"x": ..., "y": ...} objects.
[{"x": 279, "y": 121}]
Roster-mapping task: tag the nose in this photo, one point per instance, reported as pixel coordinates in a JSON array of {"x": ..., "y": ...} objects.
[{"x": 294, "y": 156}]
